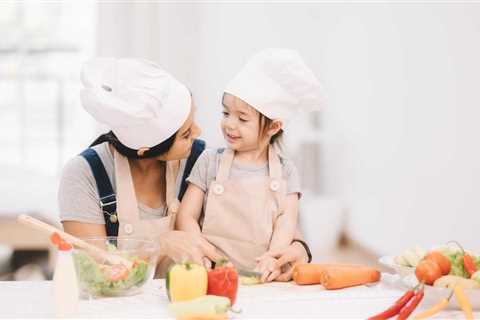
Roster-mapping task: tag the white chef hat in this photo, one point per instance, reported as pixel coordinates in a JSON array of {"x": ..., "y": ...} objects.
[
  {"x": 278, "y": 84},
  {"x": 141, "y": 103}
]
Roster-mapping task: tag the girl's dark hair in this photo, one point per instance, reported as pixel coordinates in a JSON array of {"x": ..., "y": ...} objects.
[
  {"x": 264, "y": 123},
  {"x": 154, "y": 151}
]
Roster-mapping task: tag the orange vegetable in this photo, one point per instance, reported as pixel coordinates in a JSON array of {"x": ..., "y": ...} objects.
[
  {"x": 118, "y": 272},
  {"x": 441, "y": 260},
  {"x": 427, "y": 271},
  {"x": 343, "y": 277},
  {"x": 309, "y": 273},
  {"x": 463, "y": 302},
  {"x": 433, "y": 310}
]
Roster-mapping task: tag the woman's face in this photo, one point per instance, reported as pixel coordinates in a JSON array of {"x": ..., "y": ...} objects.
[{"x": 183, "y": 139}]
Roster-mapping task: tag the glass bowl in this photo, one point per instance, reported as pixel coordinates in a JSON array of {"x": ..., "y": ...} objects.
[{"x": 128, "y": 266}]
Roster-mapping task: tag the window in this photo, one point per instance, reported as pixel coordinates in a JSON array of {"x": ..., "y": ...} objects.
[{"x": 42, "y": 47}]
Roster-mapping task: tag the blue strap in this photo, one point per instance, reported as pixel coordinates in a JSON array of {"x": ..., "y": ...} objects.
[
  {"x": 108, "y": 200},
  {"x": 197, "y": 149}
]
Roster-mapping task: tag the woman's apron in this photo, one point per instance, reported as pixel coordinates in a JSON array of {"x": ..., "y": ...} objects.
[
  {"x": 240, "y": 213},
  {"x": 127, "y": 207}
]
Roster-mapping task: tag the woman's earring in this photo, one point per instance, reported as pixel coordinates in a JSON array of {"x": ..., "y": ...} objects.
[{"x": 142, "y": 150}]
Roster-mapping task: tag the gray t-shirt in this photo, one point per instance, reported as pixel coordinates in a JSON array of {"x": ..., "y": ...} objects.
[
  {"x": 205, "y": 171},
  {"x": 78, "y": 194}
]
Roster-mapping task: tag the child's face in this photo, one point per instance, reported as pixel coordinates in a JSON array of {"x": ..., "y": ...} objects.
[{"x": 240, "y": 124}]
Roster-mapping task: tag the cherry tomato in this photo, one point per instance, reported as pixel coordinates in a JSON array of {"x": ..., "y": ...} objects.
[
  {"x": 441, "y": 260},
  {"x": 428, "y": 271}
]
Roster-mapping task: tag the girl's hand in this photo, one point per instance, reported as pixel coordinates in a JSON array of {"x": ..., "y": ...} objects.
[
  {"x": 287, "y": 258},
  {"x": 267, "y": 266}
]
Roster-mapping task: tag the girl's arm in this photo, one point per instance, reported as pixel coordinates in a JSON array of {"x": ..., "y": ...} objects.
[
  {"x": 286, "y": 225},
  {"x": 190, "y": 210},
  {"x": 283, "y": 234}
]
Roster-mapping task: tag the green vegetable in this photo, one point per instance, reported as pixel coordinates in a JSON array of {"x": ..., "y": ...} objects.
[
  {"x": 476, "y": 259},
  {"x": 203, "y": 306},
  {"x": 93, "y": 277},
  {"x": 458, "y": 269}
]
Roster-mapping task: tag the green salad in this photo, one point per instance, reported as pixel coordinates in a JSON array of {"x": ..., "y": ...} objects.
[
  {"x": 108, "y": 280},
  {"x": 455, "y": 255}
]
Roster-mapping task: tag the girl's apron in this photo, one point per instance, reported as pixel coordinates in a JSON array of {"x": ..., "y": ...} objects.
[
  {"x": 240, "y": 213},
  {"x": 127, "y": 206}
]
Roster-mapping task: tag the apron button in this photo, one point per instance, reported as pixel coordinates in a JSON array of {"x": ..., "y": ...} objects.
[
  {"x": 174, "y": 207},
  {"x": 128, "y": 228},
  {"x": 274, "y": 185},
  {"x": 218, "y": 189}
]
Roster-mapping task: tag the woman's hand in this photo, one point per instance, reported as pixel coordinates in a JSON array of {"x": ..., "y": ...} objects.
[
  {"x": 183, "y": 246},
  {"x": 287, "y": 258}
]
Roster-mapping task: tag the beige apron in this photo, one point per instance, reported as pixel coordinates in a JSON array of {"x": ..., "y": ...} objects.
[
  {"x": 127, "y": 206},
  {"x": 240, "y": 213}
]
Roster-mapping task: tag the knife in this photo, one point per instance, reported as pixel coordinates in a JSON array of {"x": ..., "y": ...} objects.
[{"x": 247, "y": 273}]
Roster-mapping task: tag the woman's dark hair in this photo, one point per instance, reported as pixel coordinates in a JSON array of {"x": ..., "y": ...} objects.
[{"x": 154, "y": 151}]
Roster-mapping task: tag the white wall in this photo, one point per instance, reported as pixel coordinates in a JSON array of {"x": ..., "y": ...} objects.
[{"x": 398, "y": 137}]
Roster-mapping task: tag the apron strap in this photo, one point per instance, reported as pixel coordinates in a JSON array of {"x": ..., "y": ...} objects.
[
  {"x": 274, "y": 165},
  {"x": 127, "y": 205},
  {"x": 107, "y": 198},
  {"x": 197, "y": 148},
  {"x": 171, "y": 173},
  {"x": 224, "y": 166}
]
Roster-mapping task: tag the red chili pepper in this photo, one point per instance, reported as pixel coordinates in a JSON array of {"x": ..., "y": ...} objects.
[
  {"x": 408, "y": 309},
  {"x": 395, "y": 308},
  {"x": 469, "y": 264}
]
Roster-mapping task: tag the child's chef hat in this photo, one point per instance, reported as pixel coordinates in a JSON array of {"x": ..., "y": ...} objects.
[
  {"x": 278, "y": 84},
  {"x": 141, "y": 103}
]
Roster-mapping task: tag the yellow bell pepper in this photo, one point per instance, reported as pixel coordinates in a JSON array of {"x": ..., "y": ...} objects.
[{"x": 186, "y": 281}]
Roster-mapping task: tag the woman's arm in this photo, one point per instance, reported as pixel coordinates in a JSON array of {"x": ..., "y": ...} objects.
[
  {"x": 78, "y": 200},
  {"x": 80, "y": 229},
  {"x": 190, "y": 210}
]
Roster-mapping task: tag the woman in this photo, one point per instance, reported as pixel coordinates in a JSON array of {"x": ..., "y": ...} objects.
[{"x": 130, "y": 181}]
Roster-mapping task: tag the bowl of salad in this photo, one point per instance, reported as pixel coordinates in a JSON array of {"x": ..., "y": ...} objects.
[
  {"x": 404, "y": 264},
  {"x": 441, "y": 270},
  {"x": 125, "y": 266}
]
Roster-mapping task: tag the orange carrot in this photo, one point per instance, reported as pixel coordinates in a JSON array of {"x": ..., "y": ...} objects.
[
  {"x": 337, "y": 278},
  {"x": 309, "y": 273}
]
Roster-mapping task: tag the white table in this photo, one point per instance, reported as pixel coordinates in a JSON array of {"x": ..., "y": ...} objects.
[{"x": 274, "y": 300}]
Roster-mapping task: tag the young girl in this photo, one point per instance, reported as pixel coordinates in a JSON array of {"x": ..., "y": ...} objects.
[{"x": 249, "y": 192}]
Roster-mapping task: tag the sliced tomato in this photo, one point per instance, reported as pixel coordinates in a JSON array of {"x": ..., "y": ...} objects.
[{"x": 117, "y": 272}]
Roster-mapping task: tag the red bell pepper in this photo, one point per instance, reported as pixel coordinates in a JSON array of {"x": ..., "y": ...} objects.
[
  {"x": 223, "y": 281},
  {"x": 469, "y": 264}
]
